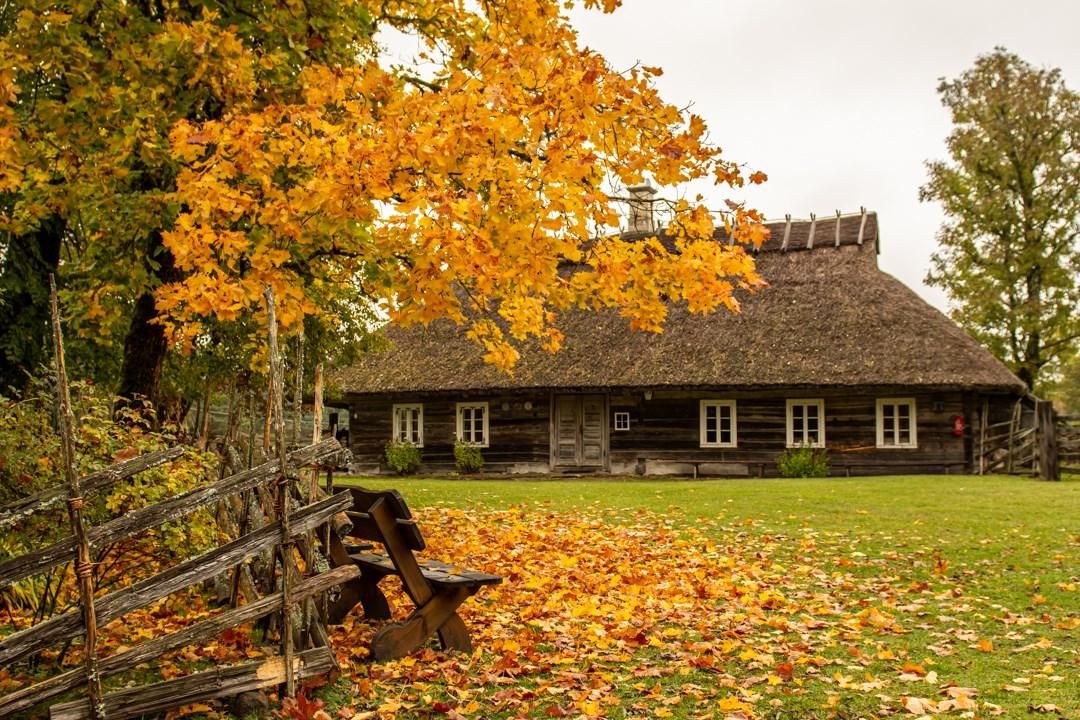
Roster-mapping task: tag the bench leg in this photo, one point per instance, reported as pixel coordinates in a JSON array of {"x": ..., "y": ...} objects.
[
  {"x": 400, "y": 639},
  {"x": 366, "y": 592},
  {"x": 454, "y": 635},
  {"x": 375, "y": 603}
]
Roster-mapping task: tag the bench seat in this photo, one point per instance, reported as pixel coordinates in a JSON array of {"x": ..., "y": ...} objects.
[{"x": 435, "y": 571}]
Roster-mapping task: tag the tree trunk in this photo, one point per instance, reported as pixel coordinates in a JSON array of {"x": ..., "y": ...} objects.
[
  {"x": 24, "y": 301},
  {"x": 145, "y": 346}
]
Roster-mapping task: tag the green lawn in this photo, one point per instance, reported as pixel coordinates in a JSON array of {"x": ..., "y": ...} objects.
[{"x": 980, "y": 572}]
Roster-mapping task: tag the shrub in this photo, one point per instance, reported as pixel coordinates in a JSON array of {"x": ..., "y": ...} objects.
[
  {"x": 30, "y": 460},
  {"x": 468, "y": 458},
  {"x": 403, "y": 457},
  {"x": 804, "y": 462}
]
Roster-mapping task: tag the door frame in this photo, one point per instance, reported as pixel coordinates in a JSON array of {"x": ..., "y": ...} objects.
[{"x": 553, "y": 436}]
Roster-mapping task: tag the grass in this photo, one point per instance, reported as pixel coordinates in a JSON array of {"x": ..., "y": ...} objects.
[{"x": 997, "y": 561}]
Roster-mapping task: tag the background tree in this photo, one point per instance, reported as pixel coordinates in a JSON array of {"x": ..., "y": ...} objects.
[
  {"x": 89, "y": 92},
  {"x": 1008, "y": 255}
]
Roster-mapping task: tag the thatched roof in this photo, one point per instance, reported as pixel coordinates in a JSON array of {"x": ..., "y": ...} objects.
[{"x": 829, "y": 317}]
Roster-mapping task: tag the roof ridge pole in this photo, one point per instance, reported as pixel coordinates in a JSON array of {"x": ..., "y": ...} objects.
[
  {"x": 813, "y": 224},
  {"x": 862, "y": 224},
  {"x": 837, "y": 243},
  {"x": 787, "y": 231}
]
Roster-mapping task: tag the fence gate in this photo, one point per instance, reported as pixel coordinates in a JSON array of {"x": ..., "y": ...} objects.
[{"x": 1030, "y": 442}]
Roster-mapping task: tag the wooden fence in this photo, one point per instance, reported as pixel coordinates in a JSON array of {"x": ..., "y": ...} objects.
[
  {"x": 292, "y": 519},
  {"x": 1030, "y": 442},
  {"x": 1068, "y": 441}
]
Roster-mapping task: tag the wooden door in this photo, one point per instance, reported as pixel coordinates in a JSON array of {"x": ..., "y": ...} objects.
[{"x": 579, "y": 432}]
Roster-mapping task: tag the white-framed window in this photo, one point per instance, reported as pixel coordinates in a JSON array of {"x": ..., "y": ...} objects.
[
  {"x": 806, "y": 423},
  {"x": 622, "y": 421},
  {"x": 409, "y": 423},
  {"x": 718, "y": 423},
  {"x": 472, "y": 423},
  {"x": 896, "y": 423}
]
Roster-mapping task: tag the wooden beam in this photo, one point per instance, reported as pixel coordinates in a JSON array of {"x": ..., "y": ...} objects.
[
  {"x": 145, "y": 518},
  {"x": 220, "y": 682},
  {"x": 813, "y": 226},
  {"x": 89, "y": 483},
  {"x": 59, "y": 684},
  {"x": 837, "y": 242},
  {"x": 205, "y": 566},
  {"x": 862, "y": 224},
  {"x": 787, "y": 233}
]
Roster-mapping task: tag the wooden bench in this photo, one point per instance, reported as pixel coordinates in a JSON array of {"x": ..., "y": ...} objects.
[{"x": 435, "y": 588}]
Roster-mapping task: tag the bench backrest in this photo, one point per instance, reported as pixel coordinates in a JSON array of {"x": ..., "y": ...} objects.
[{"x": 364, "y": 527}]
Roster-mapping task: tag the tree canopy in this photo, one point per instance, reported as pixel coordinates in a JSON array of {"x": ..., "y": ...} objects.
[
  {"x": 1008, "y": 255},
  {"x": 190, "y": 154}
]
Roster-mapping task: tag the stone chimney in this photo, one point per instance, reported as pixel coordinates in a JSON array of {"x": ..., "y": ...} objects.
[{"x": 641, "y": 208}]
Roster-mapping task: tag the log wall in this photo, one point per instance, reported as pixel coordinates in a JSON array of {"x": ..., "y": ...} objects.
[
  {"x": 664, "y": 432},
  {"x": 518, "y": 437}
]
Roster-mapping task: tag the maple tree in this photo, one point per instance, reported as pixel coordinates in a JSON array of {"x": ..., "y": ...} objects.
[
  {"x": 198, "y": 155},
  {"x": 456, "y": 196}
]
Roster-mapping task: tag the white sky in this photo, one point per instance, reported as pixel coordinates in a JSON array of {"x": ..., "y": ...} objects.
[{"x": 835, "y": 99}]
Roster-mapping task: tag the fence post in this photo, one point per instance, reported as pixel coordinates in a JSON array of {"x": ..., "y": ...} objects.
[
  {"x": 277, "y": 396},
  {"x": 1047, "y": 438},
  {"x": 84, "y": 567}
]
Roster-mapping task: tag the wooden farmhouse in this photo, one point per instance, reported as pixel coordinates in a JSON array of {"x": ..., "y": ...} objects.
[{"x": 834, "y": 353}]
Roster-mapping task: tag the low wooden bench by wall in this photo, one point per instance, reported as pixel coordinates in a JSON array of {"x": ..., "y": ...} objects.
[{"x": 436, "y": 588}]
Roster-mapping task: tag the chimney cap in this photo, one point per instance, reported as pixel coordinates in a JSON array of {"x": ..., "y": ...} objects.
[{"x": 644, "y": 188}]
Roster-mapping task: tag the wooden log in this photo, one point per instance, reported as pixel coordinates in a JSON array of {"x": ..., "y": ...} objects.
[
  {"x": 187, "y": 573},
  {"x": 208, "y": 685},
  {"x": 59, "y": 684},
  {"x": 172, "y": 509},
  {"x": 31, "y": 504},
  {"x": 84, "y": 566}
]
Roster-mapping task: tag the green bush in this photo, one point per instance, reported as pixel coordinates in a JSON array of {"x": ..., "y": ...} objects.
[
  {"x": 403, "y": 457},
  {"x": 468, "y": 458},
  {"x": 31, "y": 460},
  {"x": 804, "y": 462}
]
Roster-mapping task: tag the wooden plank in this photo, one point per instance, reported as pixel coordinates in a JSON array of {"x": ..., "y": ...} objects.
[
  {"x": 172, "y": 509},
  {"x": 26, "y": 506},
  {"x": 205, "y": 566},
  {"x": 59, "y": 684},
  {"x": 208, "y": 685}
]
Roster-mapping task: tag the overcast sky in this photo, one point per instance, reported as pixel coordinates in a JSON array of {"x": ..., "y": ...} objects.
[{"x": 835, "y": 99}]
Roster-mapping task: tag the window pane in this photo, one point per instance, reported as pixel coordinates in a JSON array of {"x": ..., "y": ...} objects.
[
  {"x": 904, "y": 411},
  {"x": 905, "y": 436},
  {"x": 811, "y": 412},
  {"x": 710, "y": 435}
]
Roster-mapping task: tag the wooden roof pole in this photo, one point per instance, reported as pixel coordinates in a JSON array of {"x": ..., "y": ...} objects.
[
  {"x": 837, "y": 243},
  {"x": 813, "y": 224},
  {"x": 84, "y": 567},
  {"x": 862, "y": 224},
  {"x": 787, "y": 232}
]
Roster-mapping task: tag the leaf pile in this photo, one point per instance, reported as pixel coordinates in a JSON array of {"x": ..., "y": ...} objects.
[{"x": 632, "y": 614}]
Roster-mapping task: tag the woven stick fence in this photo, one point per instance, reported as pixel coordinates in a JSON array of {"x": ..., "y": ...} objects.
[{"x": 305, "y": 649}]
